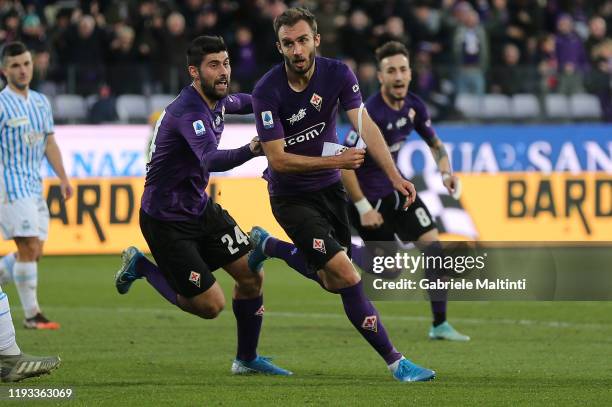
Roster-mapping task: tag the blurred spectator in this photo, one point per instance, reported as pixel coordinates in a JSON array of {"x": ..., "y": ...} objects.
[
  {"x": 125, "y": 73},
  {"x": 85, "y": 54},
  {"x": 104, "y": 109},
  {"x": 498, "y": 29},
  {"x": 329, "y": 20},
  {"x": 11, "y": 26},
  {"x": 245, "y": 67},
  {"x": 33, "y": 33},
  {"x": 548, "y": 65},
  {"x": 357, "y": 37},
  {"x": 368, "y": 82},
  {"x": 510, "y": 77},
  {"x": 597, "y": 36},
  {"x": 471, "y": 51},
  {"x": 171, "y": 54},
  {"x": 571, "y": 56},
  {"x": 601, "y": 78},
  {"x": 424, "y": 27},
  {"x": 206, "y": 23},
  {"x": 426, "y": 83},
  {"x": 393, "y": 30},
  {"x": 43, "y": 79}
]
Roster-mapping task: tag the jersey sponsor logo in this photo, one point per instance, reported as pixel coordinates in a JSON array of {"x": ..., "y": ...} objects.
[
  {"x": 401, "y": 122},
  {"x": 198, "y": 127},
  {"x": 195, "y": 278},
  {"x": 305, "y": 135},
  {"x": 296, "y": 117},
  {"x": 411, "y": 114},
  {"x": 217, "y": 121},
  {"x": 370, "y": 323},
  {"x": 316, "y": 101},
  {"x": 355, "y": 88},
  {"x": 17, "y": 121},
  {"x": 319, "y": 245},
  {"x": 260, "y": 311},
  {"x": 267, "y": 120}
]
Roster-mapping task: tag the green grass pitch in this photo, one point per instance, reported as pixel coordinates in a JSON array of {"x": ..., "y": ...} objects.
[{"x": 138, "y": 350}]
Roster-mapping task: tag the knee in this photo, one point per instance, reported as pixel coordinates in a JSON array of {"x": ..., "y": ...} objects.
[
  {"x": 211, "y": 310},
  {"x": 29, "y": 250}
]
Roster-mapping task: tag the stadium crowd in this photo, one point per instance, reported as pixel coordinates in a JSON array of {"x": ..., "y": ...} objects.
[{"x": 114, "y": 47}]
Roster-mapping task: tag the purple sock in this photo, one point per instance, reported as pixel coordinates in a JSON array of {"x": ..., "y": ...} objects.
[
  {"x": 292, "y": 256},
  {"x": 438, "y": 297},
  {"x": 156, "y": 279},
  {"x": 365, "y": 318},
  {"x": 249, "y": 317}
]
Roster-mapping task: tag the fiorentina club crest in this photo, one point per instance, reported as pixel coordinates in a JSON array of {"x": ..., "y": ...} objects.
[
  {"x": 370, "y": 323},
  {"x": 316, "y": 101},
  {"x": 260, "y": 311},
  {"x": 319, "y": 245},
  {"x": 195, "y": 278}
]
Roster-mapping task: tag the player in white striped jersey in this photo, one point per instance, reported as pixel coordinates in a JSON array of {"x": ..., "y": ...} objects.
[{"x": 26, "y": 135}]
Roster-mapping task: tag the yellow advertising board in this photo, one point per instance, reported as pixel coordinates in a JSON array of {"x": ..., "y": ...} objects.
[
  {"x": 103, "y": 215},
  {"x": 532, "y": 206}
]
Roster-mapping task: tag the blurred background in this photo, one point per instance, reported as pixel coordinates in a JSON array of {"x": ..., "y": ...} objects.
[{"x": 538, "y": 60}]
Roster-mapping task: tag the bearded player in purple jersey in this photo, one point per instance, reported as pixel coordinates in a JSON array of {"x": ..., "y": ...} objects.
[
  {"x": 377, "y": 213},
  {"x": 295, "y": 107},
  {"x": 189, "y": 235}
]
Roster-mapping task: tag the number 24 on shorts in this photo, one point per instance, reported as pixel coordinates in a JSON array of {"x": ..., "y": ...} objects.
[{"x": 240, "y": 239}]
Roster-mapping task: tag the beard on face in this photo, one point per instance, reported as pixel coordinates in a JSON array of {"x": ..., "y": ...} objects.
[
  {"x": 290, "y": 63},
  {"x": 209, "y": 89}
]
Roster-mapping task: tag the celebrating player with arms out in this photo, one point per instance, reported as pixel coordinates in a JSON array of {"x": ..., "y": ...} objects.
[
  {"x": 189, "y": 235},
  {"x": 377, "y": 212},
  {"x": 295, "y": 107}
]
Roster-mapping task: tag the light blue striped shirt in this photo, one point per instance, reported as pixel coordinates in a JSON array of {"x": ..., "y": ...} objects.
[{"x": 24, "y": 127}]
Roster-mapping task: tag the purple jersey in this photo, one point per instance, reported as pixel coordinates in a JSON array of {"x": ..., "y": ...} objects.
[
  {"x": 395, "y": 126},
  {"x": 306, "y": 120},
  {"x": 184, "y": 151}
]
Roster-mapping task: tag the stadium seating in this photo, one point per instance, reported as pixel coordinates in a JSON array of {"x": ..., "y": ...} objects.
[
  {"x": 495, "y": 107},
  {"x": 69, "y": 108},
  {"x": 132, "y": 108},
  {"x": 585, "y": 106},
  {"x": 525, "y": 106},
  {"x": 557, "y": 107},
  {"x": 469, "y": 105}
]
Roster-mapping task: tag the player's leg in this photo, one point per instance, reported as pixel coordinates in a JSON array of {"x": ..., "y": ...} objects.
[
  {"x": 225, "y": 245},
  {"x": 15, "y": 365},
  {"x": 7, "y": 265},
  {"x": 266, "y": 246},
  {"x": 319, "y": 227},
  {"x": 416, "y": 224}
]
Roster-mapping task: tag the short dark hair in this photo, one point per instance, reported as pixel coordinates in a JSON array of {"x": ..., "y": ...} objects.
[
  {"x": 389, "y": 49},
  {"x": 202, "y": 46},
  {"x": 292, "y": 16},
  {"x": 12, "y": 49}
]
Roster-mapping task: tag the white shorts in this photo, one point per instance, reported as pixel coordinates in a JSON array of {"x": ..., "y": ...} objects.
[{"x": 28, "y": 217}]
